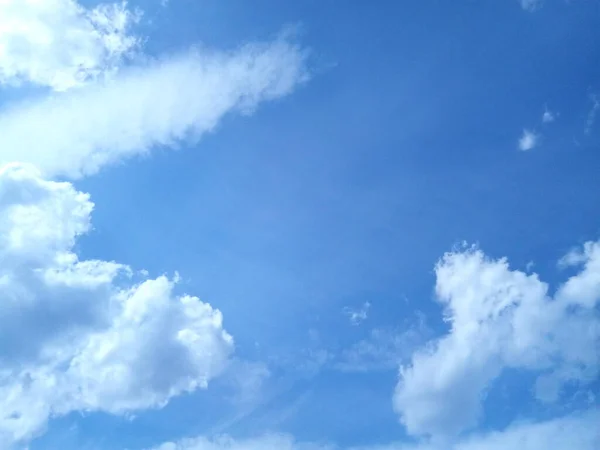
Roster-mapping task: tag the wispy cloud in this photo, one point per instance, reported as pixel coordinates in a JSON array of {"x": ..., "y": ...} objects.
[
  {"x": 383, "y": 349},
  {"x": 359, "y": 315},
  {"x": 528, "y": 140},
  {"x": 247, "y": 380},
  {"x": 549, "y": 116},
  {"x": 591, "y": 117},
  {"x": 531, "y": 5},
  {"x": 158, "y": 105}
]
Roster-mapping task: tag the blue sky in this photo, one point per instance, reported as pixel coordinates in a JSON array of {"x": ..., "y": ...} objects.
[{"x": 315, "y": 225}]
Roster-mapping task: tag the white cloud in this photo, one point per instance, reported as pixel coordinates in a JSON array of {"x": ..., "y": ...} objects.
[
  {"x": 61, "y": 44},
  {"x": 584, "y": 288},
  {"x": 578, "y": 431},
  {"x": 528, "y": 140},
  {"x": 82, "y": 335},
  {"x": 500, "y": 318},
  {"x": 357, "y": 316},
  {"x": 531, "y": 5},
  {"x": 78, "y": 132},
  {"x": 549, "y": 116}
]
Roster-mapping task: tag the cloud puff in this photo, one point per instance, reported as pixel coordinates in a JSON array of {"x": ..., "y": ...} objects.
[
  {"x": 576, "y": 431},
  {"x": 500, "y": 318},
  {"x": 549, "y": 116},
  {"x": 531, "y": 5},
  {"x": 80, "y": 131},
  {"x": 528, "y": 140},
  {"x": 61, "y": 44},
  {"x": 83, "y": 335}
]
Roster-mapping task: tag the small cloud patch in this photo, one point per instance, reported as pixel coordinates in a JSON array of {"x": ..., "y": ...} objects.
[
  {"x": 528, "y": 140},
  {"x": 357, "y": 316}
]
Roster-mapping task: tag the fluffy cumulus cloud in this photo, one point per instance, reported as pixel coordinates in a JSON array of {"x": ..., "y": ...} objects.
[
  {"x": 84, "y": 334},
  {"x": 61, "y": 44},
  {"x": 577, "y": 431},
  {"x": 501, "y": 318}
]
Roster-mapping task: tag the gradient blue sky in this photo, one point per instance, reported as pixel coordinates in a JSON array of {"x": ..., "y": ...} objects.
[{"x": 314, "y": 222}]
